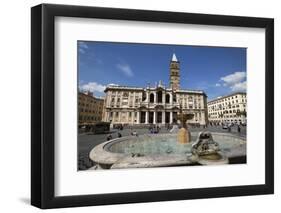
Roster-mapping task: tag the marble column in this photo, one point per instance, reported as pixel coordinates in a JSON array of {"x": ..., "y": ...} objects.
[
  {"x": 163, "y": 117},
  {"x": 127, "y": 117},
  {"x": 146, "y": 117},
  {"x": 138, "y": 117},
  {"x": 171, "y": 117},
  {"x": 154, "y": 117},
  {"x": 107, "y": 116}
]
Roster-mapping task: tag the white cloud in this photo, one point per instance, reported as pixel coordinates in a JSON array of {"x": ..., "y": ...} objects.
[
  {"x": 125, "y": 69},
  {"x": 82, "y": 47},
  {"x": 81, "y": 50},
  {"x": 241, "y": 86},
  {"x": 235, "y": 81},
  {"x": 218, "y": 85},
  {"x": 234, "y": 78},
  {"x": 112, "y": 84},
  {"x": 92, "y": 87}
]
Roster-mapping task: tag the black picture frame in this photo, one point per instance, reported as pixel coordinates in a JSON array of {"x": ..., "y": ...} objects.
[{"x": 43, "y": 102}]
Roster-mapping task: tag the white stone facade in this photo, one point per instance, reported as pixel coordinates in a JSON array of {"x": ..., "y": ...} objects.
[
  {"x": 228, "y": 109},
  {"x": 152, "y": 105}
]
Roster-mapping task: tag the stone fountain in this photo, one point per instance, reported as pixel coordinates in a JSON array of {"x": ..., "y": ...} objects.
[
  {"x": 177, "y": 148},
  {"x": 184, "y": 134},
  {"x": 158, "y": 150},
  {"x": 207, "y": 151}
]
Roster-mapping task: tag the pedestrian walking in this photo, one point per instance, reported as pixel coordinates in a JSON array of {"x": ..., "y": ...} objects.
[
  {"x": 238, "y": 128},
  {"x": 109, "y": 137}
]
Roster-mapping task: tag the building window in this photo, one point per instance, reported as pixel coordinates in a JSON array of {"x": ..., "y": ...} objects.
[
  {"x": 174, "y": 98},
  {"x": 159, "y": 97},
  {"x": 143, "y": 96},
  {"x": 125, "y": 94},
  {"x": 167, "y": 98},
  {"x": 151, "y": 98}
]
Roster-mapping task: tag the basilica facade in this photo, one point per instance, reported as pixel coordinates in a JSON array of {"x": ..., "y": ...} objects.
[{"x": 157, "y": 104}]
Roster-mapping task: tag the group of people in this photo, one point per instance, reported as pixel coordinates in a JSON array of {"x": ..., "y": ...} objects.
[
  {"x": 154, "y": 129},
  {"x": 109, "y": 137},
  {"x": 238, "y": 128}
]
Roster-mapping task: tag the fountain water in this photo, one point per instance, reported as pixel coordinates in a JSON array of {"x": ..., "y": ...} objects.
[{"x": 173, "y": 149}]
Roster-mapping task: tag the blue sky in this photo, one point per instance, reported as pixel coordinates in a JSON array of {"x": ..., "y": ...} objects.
[{"x": 216, "y": 70}]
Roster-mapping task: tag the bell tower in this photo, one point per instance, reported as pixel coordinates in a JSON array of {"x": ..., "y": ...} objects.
[{"x": 174, "y": 73}]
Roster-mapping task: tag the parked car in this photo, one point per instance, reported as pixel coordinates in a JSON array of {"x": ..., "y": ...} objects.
[
  {"x": 225, "y": 126},
  {"x": 243, "y": 123}
]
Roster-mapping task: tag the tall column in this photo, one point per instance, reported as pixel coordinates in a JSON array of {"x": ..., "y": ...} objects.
[
  {"x": 119, "y": 117},
  {"x": 146, "y": 117},
  {"x": 138, "y": 117},
  {"x": 113, "y": 117},
  {"x": 171, "y": 117},
  {"x": 107, "y": 114},
  {"x": 134, "y": 99},
  {"x": 154, "y": 117},
  {"x": 203, "y": 119},
  {"x": 163, "y": 117}
]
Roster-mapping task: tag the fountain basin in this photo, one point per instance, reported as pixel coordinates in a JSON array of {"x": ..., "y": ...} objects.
[{"x": 162, "y": 150}]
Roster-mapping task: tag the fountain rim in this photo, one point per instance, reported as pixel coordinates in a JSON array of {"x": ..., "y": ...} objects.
[{"x": 100, "y": 154}]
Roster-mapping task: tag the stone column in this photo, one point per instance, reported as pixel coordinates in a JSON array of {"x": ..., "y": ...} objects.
[
  {"x": 154, "y": 117},
  {"x": 171, "y": 117},
  {"x": 127, "y": 117},
  {"x": 203, "y": 118},
  {"x": 107, "y": 116},
  {"x": 163, "y": 117},
  {"x": 113, "y": 117},
  {"x": 146, "y": 117},
  {"x": 138, "y": 117},
  {"x": 134, "y": 99}
]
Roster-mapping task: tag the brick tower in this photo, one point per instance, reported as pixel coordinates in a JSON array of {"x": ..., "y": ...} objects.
[{"x": 175, "y": 73}]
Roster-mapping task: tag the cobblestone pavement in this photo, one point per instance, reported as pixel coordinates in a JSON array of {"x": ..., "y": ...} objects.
[{"x": 87, "y": 141}]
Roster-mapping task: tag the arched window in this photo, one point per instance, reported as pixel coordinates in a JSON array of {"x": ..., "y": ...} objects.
[
  {"x": 174, "y": 98},
  {"x": 159, "y": 97},
  {"x": 143, "y": 96},
  {"x": 167, "y": 98},
  {"x": 151, "y": 98}
]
